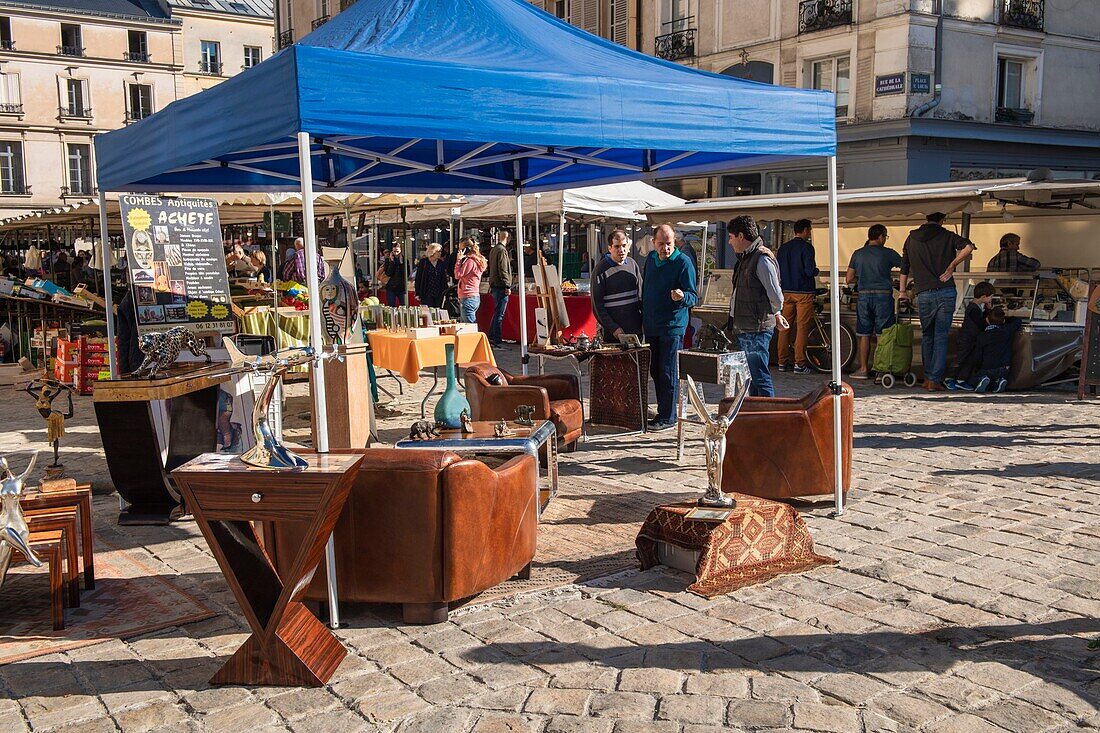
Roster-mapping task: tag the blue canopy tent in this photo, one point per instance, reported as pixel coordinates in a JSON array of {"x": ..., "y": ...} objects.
[{"x": 458, "y": 96}]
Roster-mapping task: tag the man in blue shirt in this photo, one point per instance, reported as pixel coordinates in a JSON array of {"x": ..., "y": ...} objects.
[
  {"x": 668, "y": 291},
  {"x": 870, "y": 269},
  {"x": 797, "y": 270}
]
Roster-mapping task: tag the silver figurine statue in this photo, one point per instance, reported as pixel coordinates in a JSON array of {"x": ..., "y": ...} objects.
[
  {"x": 13, "y": 527},
  {"x": 268, "y": 451},
  {"x": 714, "y": 439}
]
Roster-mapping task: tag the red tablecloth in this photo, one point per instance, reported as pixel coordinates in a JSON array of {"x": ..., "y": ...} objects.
[{"x": 579, "y": 307}]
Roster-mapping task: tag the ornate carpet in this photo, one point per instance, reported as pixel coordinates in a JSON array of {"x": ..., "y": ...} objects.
[
  {"x": 758, "y": 541},
  {"x": 132, "y": 596}
]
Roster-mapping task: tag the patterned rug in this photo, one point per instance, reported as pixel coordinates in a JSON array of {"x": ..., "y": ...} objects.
[
  {"x": 758, "y": 541},
  {"x": 132, "y": 596}
]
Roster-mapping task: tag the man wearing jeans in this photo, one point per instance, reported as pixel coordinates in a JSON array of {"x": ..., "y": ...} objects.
[
  {"x": 870, "y": 269},
  {"x": 797, "y": 273},
  {"x": 930, "y": 256},
  {"x": 500, "y": 284},
  {"x": 668, "y": 291},
  {"x": 756, "y": 303}
]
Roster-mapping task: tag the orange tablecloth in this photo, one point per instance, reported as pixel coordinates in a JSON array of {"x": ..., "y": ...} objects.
[{"x": 407, "y": 356}]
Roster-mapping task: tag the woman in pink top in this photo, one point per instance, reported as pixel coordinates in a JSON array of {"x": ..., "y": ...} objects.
[{"x": 468, "y": 270}]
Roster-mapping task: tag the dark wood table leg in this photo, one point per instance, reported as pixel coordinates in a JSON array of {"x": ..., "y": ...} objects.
[{"x": 88, "y": 539}]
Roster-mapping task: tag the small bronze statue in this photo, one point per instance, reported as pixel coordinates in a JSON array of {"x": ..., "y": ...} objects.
[
  {"x": 13, "y": 527},
  {"x": 161, "y": 350},
  {"x": 525, "y": 415},
  {"x": 501, "y": 429},
  {"x": 467, "y": 423},
  {"x": 423, "y": 430},
  {"x": 45, "y": 392}
]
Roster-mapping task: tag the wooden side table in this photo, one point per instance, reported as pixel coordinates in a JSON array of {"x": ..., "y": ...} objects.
[
  {"x": 81, "y": 498},
  {"x": 288, "y": 646}
]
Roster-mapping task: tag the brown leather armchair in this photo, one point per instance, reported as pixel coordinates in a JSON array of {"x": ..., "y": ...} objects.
[
  {"x": 424, "y": 528},
  {"x": 556, "y": 397},
  {"x": 781, "y": 448}
]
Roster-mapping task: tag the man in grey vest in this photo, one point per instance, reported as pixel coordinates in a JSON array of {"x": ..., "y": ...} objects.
[{"x": 756, "y": 304}]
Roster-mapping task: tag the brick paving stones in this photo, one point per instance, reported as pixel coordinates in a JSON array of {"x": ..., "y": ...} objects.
[{"x": 964, "y": 599}]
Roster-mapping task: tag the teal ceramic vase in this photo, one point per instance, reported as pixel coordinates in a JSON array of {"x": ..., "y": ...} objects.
[{"x": 448, "y": 411}]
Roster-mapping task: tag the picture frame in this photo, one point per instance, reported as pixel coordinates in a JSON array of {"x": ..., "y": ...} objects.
[{"x": 710, "y": 514}]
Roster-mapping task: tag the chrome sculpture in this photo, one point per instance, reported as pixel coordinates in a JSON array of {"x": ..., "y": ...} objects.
[
  {"x": 162, "y": 348},
  {"x": 13, "y": 527},
  {"x": 268, "y": 451},
  {"x": 714, "y": 439}
]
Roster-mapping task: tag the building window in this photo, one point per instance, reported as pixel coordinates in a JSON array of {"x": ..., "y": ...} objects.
[
  {"x": 1017, "y": 89},
  {"x": 139, "y": 101},
  {"x": 6, "y": 42},
  {"x": 72, "y": 43},
  {"x": 252, "y": 56},
  {"x": 80, "y": 168},
  {"x": 675, "y": 16},
  {"x": 138, "y": 46},
  {"x": 561, "y": 9},
  {"x": 76, "y": 99},
  {"x": 833, "y": 75},
  {"x": 11, "y": 98},
  {"x": 324, "y": 8},
  {"x": 211, "y": 62},
  {"x": 11, "y": 168}
]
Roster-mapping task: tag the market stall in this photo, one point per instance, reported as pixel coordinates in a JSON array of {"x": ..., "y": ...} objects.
[{"x": 563, "y": 125}]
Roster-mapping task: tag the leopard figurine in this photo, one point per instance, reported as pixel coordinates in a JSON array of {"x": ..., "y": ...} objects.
[{"x": 161, "y": 350}]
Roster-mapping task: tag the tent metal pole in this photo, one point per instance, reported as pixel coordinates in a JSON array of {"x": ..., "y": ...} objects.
[
  {"x": 834, "y": 317},
  {"x": 522, "y": 285},
  {"x": 320, "y": 402},
  {"x": 373, "y": 253},
  {"x": 561, "y": 244},
  {"x": 538, "y": 251},
  {"x": 274, "y": 278},
  {"x": 108, "y": 296}
]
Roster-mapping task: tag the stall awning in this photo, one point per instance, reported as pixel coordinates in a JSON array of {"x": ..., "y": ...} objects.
[
  {"x": 1019, "y": 196},
  {"x": 613, "y": 202},
  {"x": 464, "y": 96}
]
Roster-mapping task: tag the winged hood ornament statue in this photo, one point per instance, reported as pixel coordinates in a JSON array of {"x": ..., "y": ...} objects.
[{"x": 714, "y": 439}]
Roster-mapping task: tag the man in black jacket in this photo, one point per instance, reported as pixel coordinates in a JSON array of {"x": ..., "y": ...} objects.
[{"x": 930, "y": 256}]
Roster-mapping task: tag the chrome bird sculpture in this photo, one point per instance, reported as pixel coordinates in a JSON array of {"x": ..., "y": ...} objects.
[{"x": 13, "y": 527}]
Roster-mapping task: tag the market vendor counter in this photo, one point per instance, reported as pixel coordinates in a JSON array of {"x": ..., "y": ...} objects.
[
  {"x": 581, "y": 317},
  {"x": 150, "y": 427}
]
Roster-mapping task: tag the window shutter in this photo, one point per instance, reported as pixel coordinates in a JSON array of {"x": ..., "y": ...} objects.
[
  {"x": 588, "y": 17},
  {"x": 620, "y": 14}
]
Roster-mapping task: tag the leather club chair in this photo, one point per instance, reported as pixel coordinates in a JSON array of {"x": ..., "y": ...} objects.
[
  {"x": 424, "y": 528},
  {"x": 494, "y": 394},
  {"x": 782, "y": 448}
]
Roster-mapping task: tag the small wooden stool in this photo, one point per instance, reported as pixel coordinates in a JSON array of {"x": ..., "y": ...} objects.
[
  {"x": 63, "y": 520},
  {"x": 47, "y": 545}
]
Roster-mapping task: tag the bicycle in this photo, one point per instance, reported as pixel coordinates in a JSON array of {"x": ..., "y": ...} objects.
[{"x": 819, "y": 354}]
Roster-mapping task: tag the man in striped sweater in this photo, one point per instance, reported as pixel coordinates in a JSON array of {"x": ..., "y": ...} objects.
[{"x": 617, "y": 289}]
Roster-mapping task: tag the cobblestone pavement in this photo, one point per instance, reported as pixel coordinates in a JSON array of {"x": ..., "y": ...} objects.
[{"x": 966, "y": 594}]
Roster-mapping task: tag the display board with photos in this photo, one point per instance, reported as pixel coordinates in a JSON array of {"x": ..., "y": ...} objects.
[{"x": 176, "y": 260}]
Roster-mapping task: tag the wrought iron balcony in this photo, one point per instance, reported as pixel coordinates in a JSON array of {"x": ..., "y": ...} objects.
[
  {"x": 1014, "y": 116},
  {"x": 81, "y": 190},
  {"x": 318, "y": 22},
  {"x": 210, "y": 67},
  {"x": 1023, "y": 13},
  {"x": 11, "y": 108},
  {"x": 70, "y": 51},
  {"x": 8, "y": 45},
  {"x": 345, "y": 4},
  {"x": 284, "y": 39},
  {"x": 83, "y": 113},
  {"x": 135, "y": 115},
  {"x": 818, "y": 15},
  {"x": 15, "y": 190},
  {"x": 675, "y": 46},
  {"x": 140, "y": 56}
]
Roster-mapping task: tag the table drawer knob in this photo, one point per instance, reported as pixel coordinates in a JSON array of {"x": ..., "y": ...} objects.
[{"x": 256, "y": 497}]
